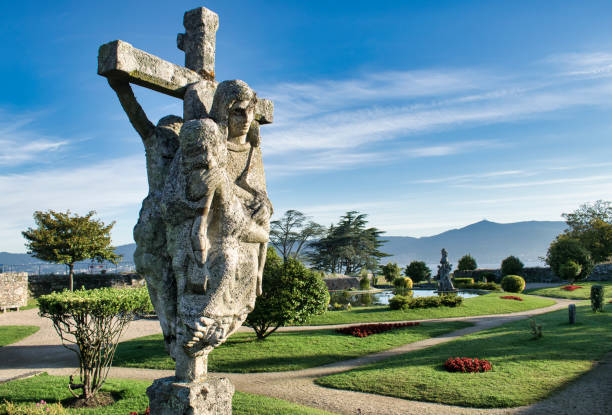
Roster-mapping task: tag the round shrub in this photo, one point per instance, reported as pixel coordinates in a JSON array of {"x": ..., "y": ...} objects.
[
  {"x": 399, "y": 302},
  {"x": 564, "y": 249},
  {"x": 570, "y": 270},
  {"x": 513, "y": 284},
  {"x": 403, "y": 283},
  {"x": 418, "y": 271},
  {"x": 511, "y": 266}
]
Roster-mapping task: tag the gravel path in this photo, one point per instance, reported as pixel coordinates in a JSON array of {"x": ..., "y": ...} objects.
[{"x": 43, "y": 352}]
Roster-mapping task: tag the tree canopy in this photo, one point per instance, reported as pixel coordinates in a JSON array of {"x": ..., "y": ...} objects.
[
  {"x": 348, "y": 247},
  {"x": 291, "y": 294},
  {"x": 591, "y": 224},
  {"x": 65, "y": 238},
  {"x": 563, "y": 251},
  {"x": 391, "y": 271},
  {"x": 467, "y": 263},
  {"x": 418, "y": 271},
  {"x": 293, "y": 232}
]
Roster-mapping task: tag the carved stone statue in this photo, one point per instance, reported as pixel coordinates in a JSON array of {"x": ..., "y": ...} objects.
[
  {"x": 203, "y": 228},
  {"x": 445, "y": 285}
]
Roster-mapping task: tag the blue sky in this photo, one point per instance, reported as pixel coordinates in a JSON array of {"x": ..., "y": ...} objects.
[{"x": 424, "y": 115}]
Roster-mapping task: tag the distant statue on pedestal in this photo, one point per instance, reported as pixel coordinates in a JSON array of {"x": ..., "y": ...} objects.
[{"x": 445, "y": 285}]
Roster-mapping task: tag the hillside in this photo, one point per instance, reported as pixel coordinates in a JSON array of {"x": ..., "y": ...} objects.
[{"x": 489, "y": 242}]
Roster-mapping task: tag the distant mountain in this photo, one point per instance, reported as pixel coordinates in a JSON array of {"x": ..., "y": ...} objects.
[{"x": 488, "y": 242}]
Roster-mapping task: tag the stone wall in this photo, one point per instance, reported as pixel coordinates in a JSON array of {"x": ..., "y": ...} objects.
[
  {"x": 601, "y": 272},
  {"x": 45, "y": 284},
  {"x": 13, "y": 290},
  {"x": 341, "y": 282}
]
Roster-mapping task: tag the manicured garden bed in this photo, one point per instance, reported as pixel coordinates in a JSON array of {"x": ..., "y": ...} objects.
[
  {"x": 131, "y": 396},
  {"x": 475, "y": 306},
  {"x": 12, "y": 334},
  {"x": 577, "y": 294},
  {"x": 286, "y": 350},
  {"x": 524, "y": 370}
]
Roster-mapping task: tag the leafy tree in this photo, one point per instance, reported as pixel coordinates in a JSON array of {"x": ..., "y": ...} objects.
[
  {"x": 293, "y": 232},
  {"x": 93, "y": 320},
  {"x": 418, "y": 271},
  {"x": 467, "y": 263},
  {"x": 348, "y": 247},
  {"x": 291, "y": 294},
  {"x": 591, "y": 224},
  {"x": 391, "y": 271},
  {"x": 65, "y": 239},
  {"x": 565, "y": 249},
  {"x": 511, "y": 266}
]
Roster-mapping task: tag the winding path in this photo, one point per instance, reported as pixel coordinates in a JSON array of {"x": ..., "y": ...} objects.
[{"x": 44, "y": 352}]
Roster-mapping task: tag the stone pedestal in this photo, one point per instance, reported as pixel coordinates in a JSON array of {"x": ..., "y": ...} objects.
[{"x": 211, "y": 396}]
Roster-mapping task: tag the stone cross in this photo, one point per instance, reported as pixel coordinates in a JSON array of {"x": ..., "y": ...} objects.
[{"x": 120, "y": 60}]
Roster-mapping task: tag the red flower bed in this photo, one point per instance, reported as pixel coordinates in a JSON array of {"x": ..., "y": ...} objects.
[
  {"x": 511, "y": 297},
  {"x": 364, "y": 330},
  {"x": 467, "y": 365},
  {"x": 146, "y": 412},
  {"x": 571, "y": 287}
]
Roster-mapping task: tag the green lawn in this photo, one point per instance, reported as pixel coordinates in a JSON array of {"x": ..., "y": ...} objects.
[
  {"x": 12, "y": 334},
  {"x": 524, "y": 370},
  {"x": 281, "y": 351},
  {"x": 475, "y": 306},
  {"x": 579, "y": 294},
  {"x": 130, "y": 396}
]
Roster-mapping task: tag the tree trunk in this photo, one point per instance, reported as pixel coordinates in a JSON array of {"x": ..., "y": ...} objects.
[{"x": 70, "y": 277}]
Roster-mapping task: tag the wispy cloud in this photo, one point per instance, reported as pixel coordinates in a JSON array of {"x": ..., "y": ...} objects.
[{"x": 20, "y": 143}]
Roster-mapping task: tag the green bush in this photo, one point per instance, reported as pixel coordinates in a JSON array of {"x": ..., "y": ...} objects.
[
  {"x": 565, "y": 249},
  {"x": 570, "y": 270},
  {"x": 93, "y": 320},
  {"x": 511, "y": 266},
  {"x": 467, "y": 263},
  {"x": 404, "y": 283},
  {"x": 597, "y": 298},
  {"x": 513, "y": 284},
  {"x": 487, "y": 277},
  {"x": 418, "y": 271},
  {"x": 400, "y": 302},
  {"x": 391, "y": 271},
  {"x": 291, "y": 294},
  {"x": 458, "y": 281},
  {"x": 364, "y": 283}
]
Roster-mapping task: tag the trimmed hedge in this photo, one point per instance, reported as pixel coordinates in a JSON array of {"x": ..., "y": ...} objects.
[
  {"x": 597, "y": 298},
  {"x": 464, "y": 281},
  {"x": 513, "y": 283},
  {"x": 401, "y": 302},
  {"x": 489, "y": 286}
]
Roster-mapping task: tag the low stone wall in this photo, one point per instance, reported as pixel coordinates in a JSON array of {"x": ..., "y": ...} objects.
[
  {"x": 341, "y": 282},
  {"x": 601, "y": 272},
  {"x": 46, "y": 284},
  {"x": 13, "y": 290}
]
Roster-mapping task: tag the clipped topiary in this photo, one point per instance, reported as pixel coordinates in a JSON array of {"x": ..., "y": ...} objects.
[
  {"x": 511, "y": 266},
  {"x": 404, "y": 283},
  {"x": 513, "y": 284},
  {"x": 570, "y": 270},
  {"x": 93, "y": 320},
  {"x": 364, "y": 283},
  {"x": 463, "y": 281},
  {"x": 597, "y": 298}
]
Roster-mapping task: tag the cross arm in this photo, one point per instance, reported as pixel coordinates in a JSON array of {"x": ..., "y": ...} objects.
[{"x": 121, "y": 61}]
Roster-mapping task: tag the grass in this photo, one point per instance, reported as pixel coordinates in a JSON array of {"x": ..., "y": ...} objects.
[
  {"x": 130, "y": 396},
  {"x": 525, "y": 370},
  {"x": 579, "y": 294},
  {"x": 12, "y": 334},
  {"x": 475, "y": 306},
  {"x": 282, "y": 351}
]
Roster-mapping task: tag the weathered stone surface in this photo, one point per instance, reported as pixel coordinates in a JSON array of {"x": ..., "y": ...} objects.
[
  {"x": 343, "y": 282},
  {"x": 13, "y": 289},
  {"x": 210, "y": 397},
  {"x": 572, "y": 313},
  {"x": 198, "y": 41},
  {"x": 445, "y": 285},
  {"x": 122, "y": 61}
]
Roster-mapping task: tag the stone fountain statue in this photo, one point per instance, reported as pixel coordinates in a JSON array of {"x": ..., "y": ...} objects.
[
  {"x": 203, "y": 228},
  {"x": 445, "y": 285}
]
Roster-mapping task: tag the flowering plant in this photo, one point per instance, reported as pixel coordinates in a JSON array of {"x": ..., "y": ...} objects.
[
  {"x": 511, "y": 297},
  {"x": 467, "y": 365},
  {"x": 146, "y": 412},
  {"x": 364, "y": 330},
  {"x": 571, "y": 287}
]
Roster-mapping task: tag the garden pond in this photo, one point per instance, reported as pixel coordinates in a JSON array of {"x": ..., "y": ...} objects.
[{"x": 382, "y": 297}]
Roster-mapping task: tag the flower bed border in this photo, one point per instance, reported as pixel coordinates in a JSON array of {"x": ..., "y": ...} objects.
[{"x": 365, "y": 330}]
